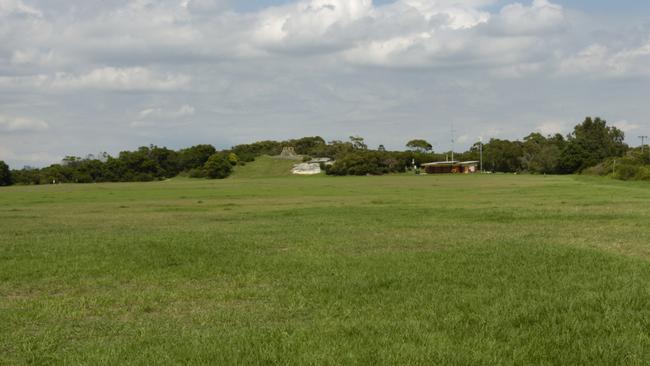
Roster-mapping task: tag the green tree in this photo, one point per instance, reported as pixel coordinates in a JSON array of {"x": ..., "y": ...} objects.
[
  {"x": 306, "y": 145},
  {"x": 195, "y": 156},
  {"x": 358, "y": 143},
  {"x": 503, "y": 156},
  {"x": 27, "y": 176},
  {"x": 218, "y": 167},
  {"x": 419, "y": 145},
  {"x": 5, "y": 174},
  {"x": 591, "y": 142}
]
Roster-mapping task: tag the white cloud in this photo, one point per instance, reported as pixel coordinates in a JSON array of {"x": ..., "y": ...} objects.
[
  {"x": 184, "y": 111},
  {"x": 540, "y": 17},
  {"x": 454, "y": 35},
  {"x": 9, "y": 7},
  {"x": 20, "y": 124},
  {"x": 600, "y": 61},
  {"x": 150, "y": 117},
  {"x": 203, "y": 6},
  {"x": 553, "y": 127},
  {"x": 111, "y": 78},
  {"x": 31, "y": 56},
  {"x": 329, "y": 67},
  {"x": 626, "y": 126},
  {"x": 105, "y": 78},
  {"x": 406, "y": 33}
]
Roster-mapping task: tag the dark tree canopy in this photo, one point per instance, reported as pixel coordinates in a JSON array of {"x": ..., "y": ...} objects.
[
  {"x": 5, "y": 175},
  {"x": 541, "y": 154},
  {"x": 218, "y": 166},
  {"x": 419, "y": 145},
  {"x": 358, "y": 143},
  {"x": 503, "y": 155},
  {"x": 590, "y": 143},
  {"x": 195, "y": 156}
]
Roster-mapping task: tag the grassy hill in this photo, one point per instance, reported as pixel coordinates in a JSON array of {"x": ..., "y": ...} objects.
[
  {"x": 265, "y": 167},
  {"x": 430, "y": 270}
]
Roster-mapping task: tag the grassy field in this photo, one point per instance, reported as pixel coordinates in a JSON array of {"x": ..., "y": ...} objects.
[
  {"x": 432, "y": 270},
  {"x": 265, "y": 167}
]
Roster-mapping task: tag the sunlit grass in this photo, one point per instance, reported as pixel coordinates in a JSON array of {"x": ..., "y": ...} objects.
[{"x": 319, "y": 270}]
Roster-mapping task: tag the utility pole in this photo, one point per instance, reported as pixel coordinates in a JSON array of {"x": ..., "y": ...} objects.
[
  {"x": 481, "y": 152},
  {"x": 643, "y": 138}
]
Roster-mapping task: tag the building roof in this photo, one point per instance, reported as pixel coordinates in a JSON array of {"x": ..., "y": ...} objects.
[{"x": 451, "y": 163}]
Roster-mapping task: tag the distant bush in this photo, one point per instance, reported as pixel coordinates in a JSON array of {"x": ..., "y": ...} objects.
[
  {"x": 626, "y": 171},
  {"x": 631, "y": 167},
  {"x": 601, "y": 169},
  {"x": 362, "y": 162},
  {"x": 196, "y": 173},
  {"x": 233, "y": 159},
  {"x": 643, "y": 173},
  {"x": 218, "y": 166}
]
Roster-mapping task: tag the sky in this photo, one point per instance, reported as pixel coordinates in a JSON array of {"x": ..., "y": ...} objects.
[{"x": 81, "y": 77}]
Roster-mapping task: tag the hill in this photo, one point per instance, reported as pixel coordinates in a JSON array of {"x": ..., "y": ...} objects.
[{"x": 265, "y": 167}]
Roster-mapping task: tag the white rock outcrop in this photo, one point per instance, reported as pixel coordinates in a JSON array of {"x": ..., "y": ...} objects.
[{"x": 306, "y": 169}]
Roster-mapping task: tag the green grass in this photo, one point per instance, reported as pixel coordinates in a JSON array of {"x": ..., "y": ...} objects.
[
  {"x": 265, "y": 167},
  {"x": 433, "y": 270}
]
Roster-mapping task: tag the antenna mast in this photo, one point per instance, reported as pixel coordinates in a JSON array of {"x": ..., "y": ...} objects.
[
  {"x": 452, "y": 141},
  {"x": 481, "y": 153},
  {"x": 643, "y": 138}
]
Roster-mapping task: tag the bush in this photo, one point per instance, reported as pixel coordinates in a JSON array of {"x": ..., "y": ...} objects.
[
  {"x": 196, "y": 173},
  {"x": 361, "y": 163},
  {"x": 626, "y": 171},
  {"x": 233, "y": 159},
  {"x": 143, "y": 177},
  {"x": 643, "y": 173},
  {"x": 218, "y": 166}
]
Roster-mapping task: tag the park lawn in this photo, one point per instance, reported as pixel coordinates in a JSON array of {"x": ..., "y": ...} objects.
[{"x": 430, "y": 270}]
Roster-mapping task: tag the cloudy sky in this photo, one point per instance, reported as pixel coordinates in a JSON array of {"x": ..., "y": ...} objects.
[{"x": 86, "y": 76}]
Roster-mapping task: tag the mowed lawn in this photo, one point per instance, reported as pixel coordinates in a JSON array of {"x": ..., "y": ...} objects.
[{"x": 431, "y": 270}]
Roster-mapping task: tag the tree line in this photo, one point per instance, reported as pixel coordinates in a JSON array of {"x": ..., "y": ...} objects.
[
  {"x": 592, "y": 148},
  {"x": 591, "y": 143}
]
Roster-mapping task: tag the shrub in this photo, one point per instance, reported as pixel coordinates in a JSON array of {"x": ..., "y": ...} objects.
[
  {"x": 643, "y": 173},
  {"x": 361, "y": 162},
  {"x": 626, "y": 171},
  {"x": 218, "y": 166},
  {"x": 233, "y": 159},
  {"x": 196, "y": 173}
]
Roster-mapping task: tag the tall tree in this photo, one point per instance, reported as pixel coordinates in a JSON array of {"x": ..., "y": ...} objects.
[
  {"x": 358, "y": 143},
  {"x": 419, "y": 145},
  {"x": 503, "y": 155},
  {"x": 591, "y": 142},
  {"x": 5, "y": 174}
]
